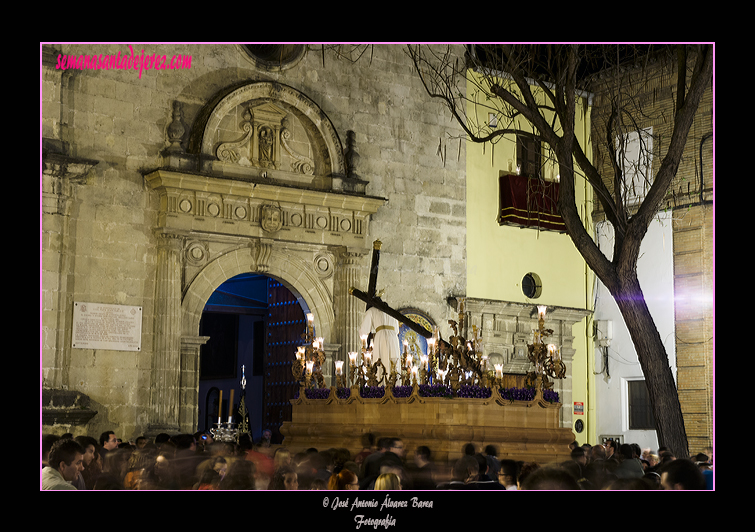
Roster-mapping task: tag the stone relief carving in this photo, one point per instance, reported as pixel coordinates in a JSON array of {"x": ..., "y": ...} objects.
[
  {"x": 196, "y": 253},
  {"x": 315, "y": 136},
  {"x": 323, "y": 264},
  {"x": 266, "y": 130},
  {"x": 231, "y": 151},
  {"x": 271, "y": 218},
  {"x": 300, "y": 164},
  {"x": 264, "y": 250}
]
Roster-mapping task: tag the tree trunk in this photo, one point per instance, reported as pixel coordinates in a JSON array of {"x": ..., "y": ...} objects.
[
  {"x": 620, "y": 277},
  {"x": 654, "y": 361}
]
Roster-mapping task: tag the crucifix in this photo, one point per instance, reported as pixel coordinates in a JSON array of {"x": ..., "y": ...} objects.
[{"x": 371, "y": 296}]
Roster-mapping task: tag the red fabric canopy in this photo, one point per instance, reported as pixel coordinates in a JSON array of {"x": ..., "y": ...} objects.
[{"x": 529, "y": 202}]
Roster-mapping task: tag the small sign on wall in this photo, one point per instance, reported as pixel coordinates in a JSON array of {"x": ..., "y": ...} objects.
[
  {"x": 102, "y": 326},
  {"x": 579, "y": 409}
]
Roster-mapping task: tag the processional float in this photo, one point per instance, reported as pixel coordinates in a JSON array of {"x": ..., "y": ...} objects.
[{"x": 425, "y": 394}]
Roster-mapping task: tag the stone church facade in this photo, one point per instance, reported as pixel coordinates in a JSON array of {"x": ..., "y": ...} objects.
[{"x": 159, "y": 184}]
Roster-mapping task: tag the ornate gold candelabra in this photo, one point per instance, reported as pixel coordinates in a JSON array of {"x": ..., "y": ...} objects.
[
  {"x": 545, "y": 357},
  {"x": 459, "y": 361},
  {"x": 371, "y": 372},
  {"x": 310, "y": 358}
]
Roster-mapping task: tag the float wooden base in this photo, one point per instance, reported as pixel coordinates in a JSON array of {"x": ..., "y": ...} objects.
[{"x": 522, "y": 430}]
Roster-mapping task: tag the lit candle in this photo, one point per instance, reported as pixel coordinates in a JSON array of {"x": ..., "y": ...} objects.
[
  {"x": 310, "y": 318},
  {"x": 415, "y": 371},
  {"x": 230, "y": 407},
  {"x": 499, "y": 370},
  {"x": 367, "y": 357},
  {"x": 339, "y": 367},
  {"x": 364, "y": 340},
  {"x": 310, "y": 366},
  {"x": 220, "y": 406},
  {"x": 300, "y": 352},
  {"x": 406, "y": 346},
  {"x": 541, "y": 311},
  {"x": 353, "y": 358},
  {"x": 554, "y": 352},
  {"x": 423, "y": 360}
]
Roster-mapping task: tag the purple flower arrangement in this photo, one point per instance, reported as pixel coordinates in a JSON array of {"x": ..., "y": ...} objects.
[
  {"x": 402, "y": 391},
  {"x": 435, "y": 390},
  {"x": 527, "y": 394},
  {"x": 317, "y": 393},
  {"x": 343, "y": 393},
  {"x": 550, "y": 396},
  {"x": 372, "y": 392},
  {"x": 474, "y": 392},
  {"x": 518, "y": 394}
]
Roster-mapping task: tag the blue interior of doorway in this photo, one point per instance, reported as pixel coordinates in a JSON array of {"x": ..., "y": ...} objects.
[{"x": 238, "y": 307}]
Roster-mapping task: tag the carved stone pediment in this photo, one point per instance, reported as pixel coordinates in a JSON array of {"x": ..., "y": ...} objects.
[
  {"x": 270, "y": 132},
  {"x": 266, "y": 141}
]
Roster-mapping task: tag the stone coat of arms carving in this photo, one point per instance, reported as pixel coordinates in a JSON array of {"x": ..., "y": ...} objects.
[{"x": 271, "y": 218}]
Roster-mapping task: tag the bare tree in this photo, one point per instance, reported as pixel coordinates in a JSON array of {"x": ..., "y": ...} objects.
[{"x": 538, "y": 86}]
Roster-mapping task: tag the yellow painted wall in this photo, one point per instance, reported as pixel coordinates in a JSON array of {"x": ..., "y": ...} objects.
[{"x": 498, "y": 257}]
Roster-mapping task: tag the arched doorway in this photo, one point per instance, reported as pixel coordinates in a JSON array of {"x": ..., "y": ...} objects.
[
  {"x": 225, "y": 206},
  {"x": 254, "y": 324}
]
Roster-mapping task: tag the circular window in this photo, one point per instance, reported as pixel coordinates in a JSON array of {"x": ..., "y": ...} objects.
[
  {"x": 275, "y": 56},
  {"x": 531, "y": 286}
]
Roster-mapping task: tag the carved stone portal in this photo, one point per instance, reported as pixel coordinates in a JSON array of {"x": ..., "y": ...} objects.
[{"x": 270, "y": 195}]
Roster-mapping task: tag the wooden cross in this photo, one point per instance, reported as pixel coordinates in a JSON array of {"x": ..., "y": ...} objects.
[{"x": 372, "y": 301}]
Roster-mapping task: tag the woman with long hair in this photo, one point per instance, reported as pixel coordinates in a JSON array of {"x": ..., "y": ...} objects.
[
  {"x": 388, "y": 481},
  {"x": 343, "y": 480}
]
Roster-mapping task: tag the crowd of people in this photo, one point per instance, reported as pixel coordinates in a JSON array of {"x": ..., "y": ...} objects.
[{"x": 196, "y": 462}]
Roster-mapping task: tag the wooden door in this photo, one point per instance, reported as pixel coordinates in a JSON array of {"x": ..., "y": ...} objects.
[{"x": 284, "y": 327}]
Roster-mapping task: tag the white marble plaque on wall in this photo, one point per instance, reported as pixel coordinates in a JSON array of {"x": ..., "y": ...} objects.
[{"x": 102, "y": 326}]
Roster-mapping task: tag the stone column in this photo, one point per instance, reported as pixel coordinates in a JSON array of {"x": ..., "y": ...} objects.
[
  {"x": 166, "y": 357},
  {"x": 349, "y": 310},
  {"x": 189, "y": 387}
]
